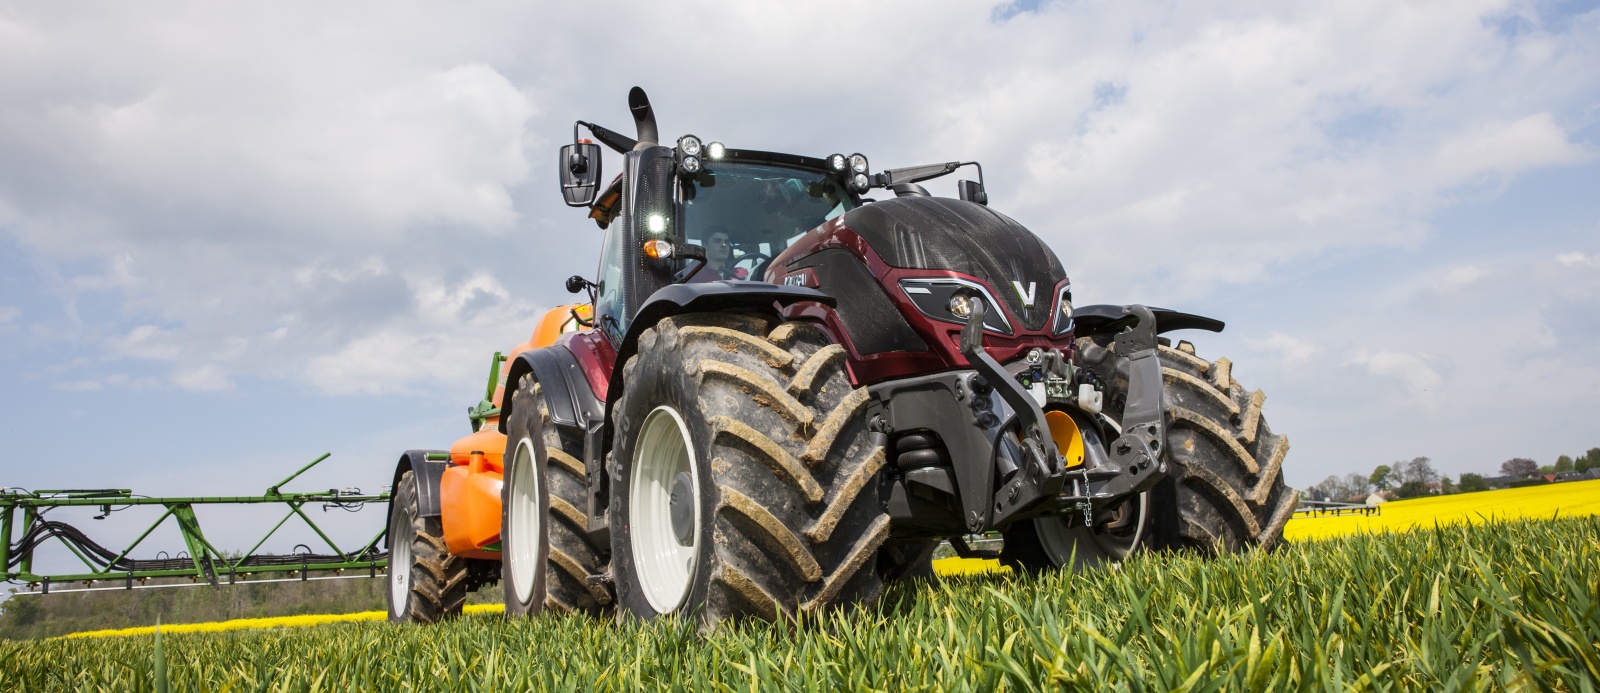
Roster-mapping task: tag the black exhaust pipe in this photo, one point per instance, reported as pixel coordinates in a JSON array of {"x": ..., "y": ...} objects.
[{"x": 643, "y": 118}]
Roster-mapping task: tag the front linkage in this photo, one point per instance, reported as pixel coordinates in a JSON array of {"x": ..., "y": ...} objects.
[
  {"x": 1136, "y": 462},
  {"x": 1006, "y": 440}
]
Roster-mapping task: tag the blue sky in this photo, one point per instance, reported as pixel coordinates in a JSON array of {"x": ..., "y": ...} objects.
[{"x": 233, "y": 239}]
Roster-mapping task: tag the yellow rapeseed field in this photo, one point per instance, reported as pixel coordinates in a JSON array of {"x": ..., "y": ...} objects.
[
  {"x": 273, "y": 622},
  {"x": 1568, "y": 499}
]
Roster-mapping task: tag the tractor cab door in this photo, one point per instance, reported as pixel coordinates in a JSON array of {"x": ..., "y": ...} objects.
[{"x": 648, "y": 212}]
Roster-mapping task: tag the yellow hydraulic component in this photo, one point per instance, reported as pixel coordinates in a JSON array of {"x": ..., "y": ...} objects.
[{"x": 1069, "y": 441}]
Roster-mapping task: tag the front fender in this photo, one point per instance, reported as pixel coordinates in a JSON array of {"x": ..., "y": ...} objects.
[
  {"x": 425, "y": 474},
  {"x": 566, "y": 391},
  {"x": 706, "y": 297},
  {"x": 1089, "y": 321}
]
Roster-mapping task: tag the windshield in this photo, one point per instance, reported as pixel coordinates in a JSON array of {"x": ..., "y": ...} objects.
[{"x": 745, "y": 213}]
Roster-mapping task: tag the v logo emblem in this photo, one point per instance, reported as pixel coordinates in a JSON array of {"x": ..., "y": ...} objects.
[{"x": 1027, "y": 296}]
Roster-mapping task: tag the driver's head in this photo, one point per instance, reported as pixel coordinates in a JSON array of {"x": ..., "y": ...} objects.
[{"x": 718, "y": 247}]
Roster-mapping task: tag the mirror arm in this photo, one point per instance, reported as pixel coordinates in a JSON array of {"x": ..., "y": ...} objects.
[
  {"x": 694, "y": 254},
  {"x": 917, "y": 174},
  {"x": 618, "y": 142}
]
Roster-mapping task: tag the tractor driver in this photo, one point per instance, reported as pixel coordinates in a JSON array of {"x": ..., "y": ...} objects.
[{"x": 719, "y": 255}]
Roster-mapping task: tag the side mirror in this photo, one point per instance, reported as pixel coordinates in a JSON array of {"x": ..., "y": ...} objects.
[
  {"x": 972, "y": 191},
  {"x": 580, "y": 173}
]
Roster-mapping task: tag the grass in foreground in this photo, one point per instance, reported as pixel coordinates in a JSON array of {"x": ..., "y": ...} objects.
[{"x": 1457, "y": 608}]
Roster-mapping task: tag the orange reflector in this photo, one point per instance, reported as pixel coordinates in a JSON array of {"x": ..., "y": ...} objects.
[
  {"x": 657, "y": 250},
  {"x": 1069, "y": 442}
]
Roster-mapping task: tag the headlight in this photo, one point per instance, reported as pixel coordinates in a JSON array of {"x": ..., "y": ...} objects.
[
  {"x": 948, "y": 299},
  {"x": 858, "y": 163},
  {"x": 690, "y": 165},
  {"x": 655, "y": 223},
  {"x": 1063, "y": 320},
  {"x": 715, "y": 150},
  {"x": 860, "y": 182},
  {"x": 689, "y": 144},
  {"x": 838, "y": 163},
  {"x": 961, "y": 305}
]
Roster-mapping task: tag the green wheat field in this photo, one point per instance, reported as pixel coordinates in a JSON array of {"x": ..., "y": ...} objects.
[{"x": 1487, "y": 607}]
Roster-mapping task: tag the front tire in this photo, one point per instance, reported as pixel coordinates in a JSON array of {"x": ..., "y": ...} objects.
[
  {"x": 524, "y": 503},
  {"x": 1224, "y": 490},
  {"x": 745, "y": 478},
  {"x": 426, "y": 583},
  {"x": 1062, "y": 541}
]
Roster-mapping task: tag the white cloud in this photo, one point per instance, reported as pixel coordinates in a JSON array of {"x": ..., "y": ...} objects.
[
  {"x": 78, "y": 385},
  {"x": 1574, "y": 259},
  {"x": 1507, "y": 148},
  {"x": 1461, "y": 276},
  {"x": 201, "y": 378},
  {"x": 1411, "y": 369},
  {"x": 9, "y": 315},
  {"x": 1288, "y": 350}
]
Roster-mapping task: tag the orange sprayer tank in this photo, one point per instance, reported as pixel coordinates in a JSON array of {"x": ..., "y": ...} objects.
[{"x": 470, "y": 489}]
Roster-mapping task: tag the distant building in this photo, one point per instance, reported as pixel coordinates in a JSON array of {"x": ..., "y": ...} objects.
[{"x": 1499, "y": 481}]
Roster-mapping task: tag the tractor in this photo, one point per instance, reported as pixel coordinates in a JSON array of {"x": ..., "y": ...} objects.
[{"x": 782, "y": 394}]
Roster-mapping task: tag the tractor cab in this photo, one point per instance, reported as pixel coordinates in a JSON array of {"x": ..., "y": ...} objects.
[{"x": 696, "y": 211}]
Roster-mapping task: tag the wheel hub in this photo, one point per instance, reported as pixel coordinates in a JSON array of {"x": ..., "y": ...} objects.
[{"x": 682, "y": 505}]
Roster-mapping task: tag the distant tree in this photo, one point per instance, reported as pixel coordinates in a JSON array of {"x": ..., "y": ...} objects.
[
  {"x": 21, "y": 611},
  {"x": 1520, "y": 468},
  {"x": 1473, "y": 482},
  {"x": 1381, "y": 477},
  {"x": 1331, "y": 488},
  {"x": 1421, "y": 469},
  {"x": 1563, "y": 464},
  {"x": 1547, "y": 469},
  {"x": 1413, "y": 489},
  {"x": 1589, "y": 461},
  {"x": 1446, "y": 486},
  {"x": 1356, "y": 486}
]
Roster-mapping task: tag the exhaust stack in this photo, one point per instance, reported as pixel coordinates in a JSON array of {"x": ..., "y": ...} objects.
[{"x": 644, "y": 119}]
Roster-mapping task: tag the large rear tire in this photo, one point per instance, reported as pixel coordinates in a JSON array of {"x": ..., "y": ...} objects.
[
  {"x": 426, "y": 583},
  {"x": 1224, "y": 489},
  {"x": 744, "y": 476}
]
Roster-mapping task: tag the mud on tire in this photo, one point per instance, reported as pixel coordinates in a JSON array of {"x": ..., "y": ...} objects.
[
  {"x": 436, "y": 581},
  {"x": 789, "y": 517},
  {"x": 1224, "y": 488}
]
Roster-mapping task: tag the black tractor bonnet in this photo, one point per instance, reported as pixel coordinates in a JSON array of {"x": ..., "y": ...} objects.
[{"x": 939, "y": 233}]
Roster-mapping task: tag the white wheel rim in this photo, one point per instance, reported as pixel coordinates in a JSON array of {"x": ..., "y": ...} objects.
[
  {"x": 400, "y": 560},
  {"x": 523, "y": 522},
  {"x": 665, "y": 566}
]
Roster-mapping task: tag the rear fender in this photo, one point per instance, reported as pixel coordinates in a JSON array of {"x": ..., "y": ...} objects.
[
  {"x": 425, "y": 474},
  {"x": 567, "y": 391}
]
